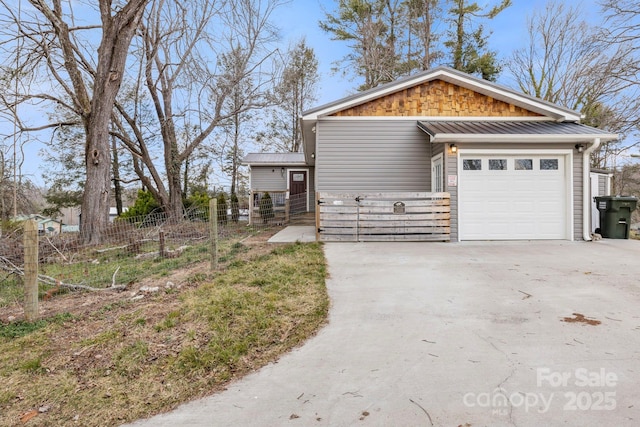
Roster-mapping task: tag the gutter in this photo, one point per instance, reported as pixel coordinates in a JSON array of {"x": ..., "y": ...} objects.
[{"x": 586, "y": 190}]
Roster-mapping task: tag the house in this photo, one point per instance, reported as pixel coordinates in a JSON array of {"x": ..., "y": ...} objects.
[
  {"x": 70, "y": 215},
  {"x": 288, "y": 179},
  {"x": 443, "y": 155},
  {"x": 46, "y": 225}
]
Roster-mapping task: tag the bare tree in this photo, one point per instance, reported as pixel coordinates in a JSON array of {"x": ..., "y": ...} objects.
[
  {"x": 16, "y": 196},
  {"x": 622, "y": 30},
  {"x": 422, "y": 16},
  {"x": 88, "y": 81},
  {"x": 568, "y": 62},
  {"x": 294, "y": 92},
  {"x": 187, "y": 86}
]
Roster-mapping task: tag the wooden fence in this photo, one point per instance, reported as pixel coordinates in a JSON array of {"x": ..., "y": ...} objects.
[{"x": 401, "y": 216}]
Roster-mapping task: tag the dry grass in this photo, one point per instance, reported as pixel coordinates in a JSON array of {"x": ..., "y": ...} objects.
[{"x": 118, "y": 360}]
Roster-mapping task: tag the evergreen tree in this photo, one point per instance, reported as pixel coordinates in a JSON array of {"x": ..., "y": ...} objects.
[
  {"x": 222, "y": 209},
  {"x": 391, "y": 38},
  {"x": 468, "y": 45},
  {"x": 266, "y": 208},
  {"x": 235, "y": 208}
]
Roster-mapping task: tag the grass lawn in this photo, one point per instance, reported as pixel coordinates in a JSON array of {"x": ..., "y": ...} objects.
[{"x": 107, "y": 361}]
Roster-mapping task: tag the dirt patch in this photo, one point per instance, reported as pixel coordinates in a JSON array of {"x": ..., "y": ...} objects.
[
  {"x": 580, "y": 318},
  {"x": 80, "y": 303}
]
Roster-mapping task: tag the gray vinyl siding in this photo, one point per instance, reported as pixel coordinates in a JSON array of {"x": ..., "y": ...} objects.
[
  {"x": 578, "y": 194},
  {"x": 451, "y": 168},
  {"x": 371, "y": 155},
  {"x": 268, "y": 178},
  {"x": 312, "y": 189}
]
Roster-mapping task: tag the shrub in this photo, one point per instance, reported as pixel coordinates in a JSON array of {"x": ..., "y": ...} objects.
[
  {"x": 222, "y": 209},
  {"x": 197, "y": 206},
  {"x": 235, "y": 208},
  {"x": 266, "y": 208},
  {"x": 144, "y": 205}
]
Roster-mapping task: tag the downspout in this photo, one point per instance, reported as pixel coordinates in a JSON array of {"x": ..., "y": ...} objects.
[{"x": 586, "y": 190}]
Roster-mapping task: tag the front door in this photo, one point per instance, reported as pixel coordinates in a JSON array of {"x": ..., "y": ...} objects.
[{"x": 297, "y": 191}]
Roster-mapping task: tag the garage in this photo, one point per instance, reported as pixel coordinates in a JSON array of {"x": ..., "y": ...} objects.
[{"x": 507, "y": 196}]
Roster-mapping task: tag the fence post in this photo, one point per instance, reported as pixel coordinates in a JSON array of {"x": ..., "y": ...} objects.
[
  {"x": 251, "y": 207},
  {"x": 287, "y": 210},
  {"x": 213, "y": 232},
  {"x": 162, "y": 250},
  {"x": 31, "y": 312}
]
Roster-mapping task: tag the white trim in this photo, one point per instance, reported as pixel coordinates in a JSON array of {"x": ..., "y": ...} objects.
[
  {"x": 514, "y": 152},
  {"x": 517, "y": 138},
  {"x": 440, "y": 118},
  {"x": 586, "y": 200},
  {"x": 288, "y": 172},
  {"x": 568, "y": 165},
  {"x": 434, "y": 160},
  {"x": 272, "y": 164},
  {"x": 594, "y": 186},
  {"x": 250, "y": 194}
]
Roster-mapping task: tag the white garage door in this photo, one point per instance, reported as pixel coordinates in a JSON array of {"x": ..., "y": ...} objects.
[{"x": 507, "y": 197}]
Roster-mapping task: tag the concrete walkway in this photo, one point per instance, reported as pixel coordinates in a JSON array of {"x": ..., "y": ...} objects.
[
  {"x": 295, "y": 233},
  {"x": 446, "y": 334}
]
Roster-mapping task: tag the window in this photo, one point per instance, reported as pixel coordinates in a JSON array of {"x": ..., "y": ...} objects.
[
  {"x": 548, "y": 164},
  {"x": 524, "y": 164},
  {"x": 498, "y": 164},
  {"x": 298, "y": 177},
  {"x": 472, "y": 164}
]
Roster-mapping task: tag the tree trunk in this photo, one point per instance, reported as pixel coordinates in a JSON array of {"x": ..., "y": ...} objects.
[
  {"x": 117, "y": 185},
  {"x": 175, "y": 207},
  {"x": 117, "y": 32},
  {"x": 95, "y": 200}
]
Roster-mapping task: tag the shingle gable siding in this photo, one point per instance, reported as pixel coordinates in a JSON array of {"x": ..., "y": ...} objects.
[{"x": 436, "y": 98}]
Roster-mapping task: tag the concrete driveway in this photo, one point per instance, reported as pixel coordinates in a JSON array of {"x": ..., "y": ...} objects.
[{"x": 456, "y": 334}]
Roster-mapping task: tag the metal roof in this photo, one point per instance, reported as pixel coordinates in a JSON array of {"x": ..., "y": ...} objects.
[
  {"x": 274, "y": 159},
  {"x": 491, "y": 130}
]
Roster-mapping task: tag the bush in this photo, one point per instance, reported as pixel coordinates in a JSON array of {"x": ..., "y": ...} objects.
[
  {"x": 235, "y": 208},
  {"x": 222, "y": 209},
  {"x": 144, "y": 205},
  {"x": 197, "y": 206},
  {"x": 266, "y": 208}
]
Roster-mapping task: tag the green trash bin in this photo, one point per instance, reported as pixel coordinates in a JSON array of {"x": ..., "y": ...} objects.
[{"x": 615, "y": 215}]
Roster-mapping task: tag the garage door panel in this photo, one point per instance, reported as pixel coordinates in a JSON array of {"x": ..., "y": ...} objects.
[{"x": 513, "y": 204}]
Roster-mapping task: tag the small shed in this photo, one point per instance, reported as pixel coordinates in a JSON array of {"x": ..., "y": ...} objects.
[
  {"x": 600, "y": 185},
  {"x": 287, "y": 178}
]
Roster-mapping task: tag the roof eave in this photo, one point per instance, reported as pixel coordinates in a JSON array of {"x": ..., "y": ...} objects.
[
  {"x": 274, "y": 164},
  {"x": 455, "y": 77},
  {"x": 536, "y": 138}
]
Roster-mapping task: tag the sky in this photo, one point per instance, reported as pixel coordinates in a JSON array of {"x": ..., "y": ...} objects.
[{"x": 299, "y": 18}]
